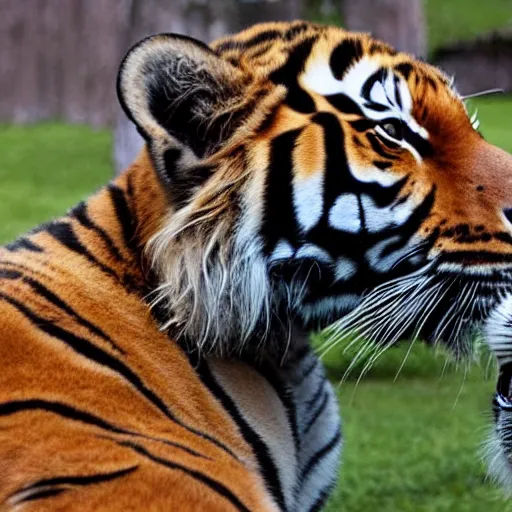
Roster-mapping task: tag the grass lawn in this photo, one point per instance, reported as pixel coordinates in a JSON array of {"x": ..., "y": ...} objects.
[
  {"x": 447, "y": 20},
  {"x": 414, "y": 446},
  {"x": 411, "y": 445},
  {"x": 456, "y": 20},
  {"x": 46, "y": 169}
]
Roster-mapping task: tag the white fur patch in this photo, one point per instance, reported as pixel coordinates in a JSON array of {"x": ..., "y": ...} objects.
[
  {"x": 344, "y": 214},
  {"x": 378, "y": 219},
  {"x": 498, "y": 331},
  {"x": 345, "y": 269},
  {"x": 313, "y": 251},
  {"x": 318, "y": 77},
  {"x": 498, "y": 465},
  {"x": 282, "y": 251},
  {"x": 373, "y": 175},
  {"x": 308, "y": 200}
]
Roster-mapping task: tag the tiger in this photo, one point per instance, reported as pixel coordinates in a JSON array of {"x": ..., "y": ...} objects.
[
  {"x": 154, "y": 340},
  {"x": 498, "y": 448}
]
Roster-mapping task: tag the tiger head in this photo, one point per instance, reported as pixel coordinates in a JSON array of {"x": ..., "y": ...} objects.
[{"x": 314, "y": 175}]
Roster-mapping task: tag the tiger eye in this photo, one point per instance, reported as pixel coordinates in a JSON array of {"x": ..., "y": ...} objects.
[{"x": 391, "y": 130}]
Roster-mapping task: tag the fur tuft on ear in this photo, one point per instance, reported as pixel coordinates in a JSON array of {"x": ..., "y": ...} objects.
[{"x": 185, "y": 101}]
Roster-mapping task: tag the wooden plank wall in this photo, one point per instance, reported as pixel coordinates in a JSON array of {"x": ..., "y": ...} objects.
[{"x": 59, "y": 59}]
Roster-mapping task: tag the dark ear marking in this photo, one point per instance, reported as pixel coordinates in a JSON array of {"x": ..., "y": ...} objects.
[{"x": 184, "y": 99}]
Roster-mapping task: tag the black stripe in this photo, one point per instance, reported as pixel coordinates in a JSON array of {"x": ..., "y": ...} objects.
[
  {"x": 64, "y": 410},
  {"x": 287, "y": 75},
  {"x": 347, "y": 53},
  {"x": 378, "y": 76},
  {"x": 376, "y": 146},
  {"x": 74, "y": 480},
  {"x": 46, "y": 493},
  {"x": 318, "y": 456},
  {"x": 344, "y": 104},
  {"x": 308, "y": 370},
  {"x": 376, "y": 107},
  {"x": 80, "y": 214},
  {"x": 423, "y": 146},
  {"x": 23, "y": 243},
  {"x": 10, "y": 274},
  {"x": 94, "y": 353},
  {"x": 316, "y": 396},
  {"x": 51, "y": 297},
  {"x": 262, "y": 37},
  {"x": 125, "y": 217},
  {"x": 382, "y": 165},
  {"x": 361, "y": 125},
  {"x": 317, "y": 413},
  {"x": 63, "y": 232},
  {"x": 214, "y": 485},
  {"x": 265, "y": 462},
  {"x": 72, "y": 413},
  {"x": 271, "y": 375},
  {"x": 410, "y": 228},
  {"x": 279, "y": 220},
  {"x": 398, "y": 96},
  {"x": 337, "y": 173},
  {"x": 404, "y": 69},
  {"x": 322, "y": 498}
]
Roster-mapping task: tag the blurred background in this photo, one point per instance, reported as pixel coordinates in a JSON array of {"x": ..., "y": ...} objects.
[{"x": 415, "y": 423}]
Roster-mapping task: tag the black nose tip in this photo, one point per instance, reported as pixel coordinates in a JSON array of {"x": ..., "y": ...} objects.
[{"x": 508, "y": 214}]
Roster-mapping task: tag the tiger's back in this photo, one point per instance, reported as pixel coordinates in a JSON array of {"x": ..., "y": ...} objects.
[{"x": 101, "y": 410}]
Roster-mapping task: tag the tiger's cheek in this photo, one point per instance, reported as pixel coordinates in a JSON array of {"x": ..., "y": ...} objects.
[{"x": 367, "y": 166}]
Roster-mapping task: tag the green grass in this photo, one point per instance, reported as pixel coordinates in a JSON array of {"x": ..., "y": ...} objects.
[
  {"x": 448, "y": 21},
  {"x": 414, "y": 446},
  {"x": 495, "y": 114},
  {"x": 456, "y": 20},
  {"x": 46, "y": 169},
  {"x": 411, "y": 445}
]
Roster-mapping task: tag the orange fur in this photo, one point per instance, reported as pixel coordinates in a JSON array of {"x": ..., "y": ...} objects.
[{"x": 108, "y": 287}]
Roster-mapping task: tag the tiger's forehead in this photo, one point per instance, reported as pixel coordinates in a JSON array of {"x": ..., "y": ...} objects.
[
  {"x": 319, "y": 58},
  {"x": 329, "y": 69}
]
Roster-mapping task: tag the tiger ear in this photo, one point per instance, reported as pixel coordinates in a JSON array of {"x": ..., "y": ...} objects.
[{"x": 181, "y": 95}]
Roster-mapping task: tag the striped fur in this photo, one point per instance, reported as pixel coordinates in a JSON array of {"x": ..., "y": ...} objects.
[
  {"x": 153, "y": 340},
  {"x": 96, "y": 399},
  {"x": 498, "y": 449}
]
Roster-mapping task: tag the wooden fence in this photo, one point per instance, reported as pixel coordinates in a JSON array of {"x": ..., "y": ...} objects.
[{"x": 59, "y": 58}]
